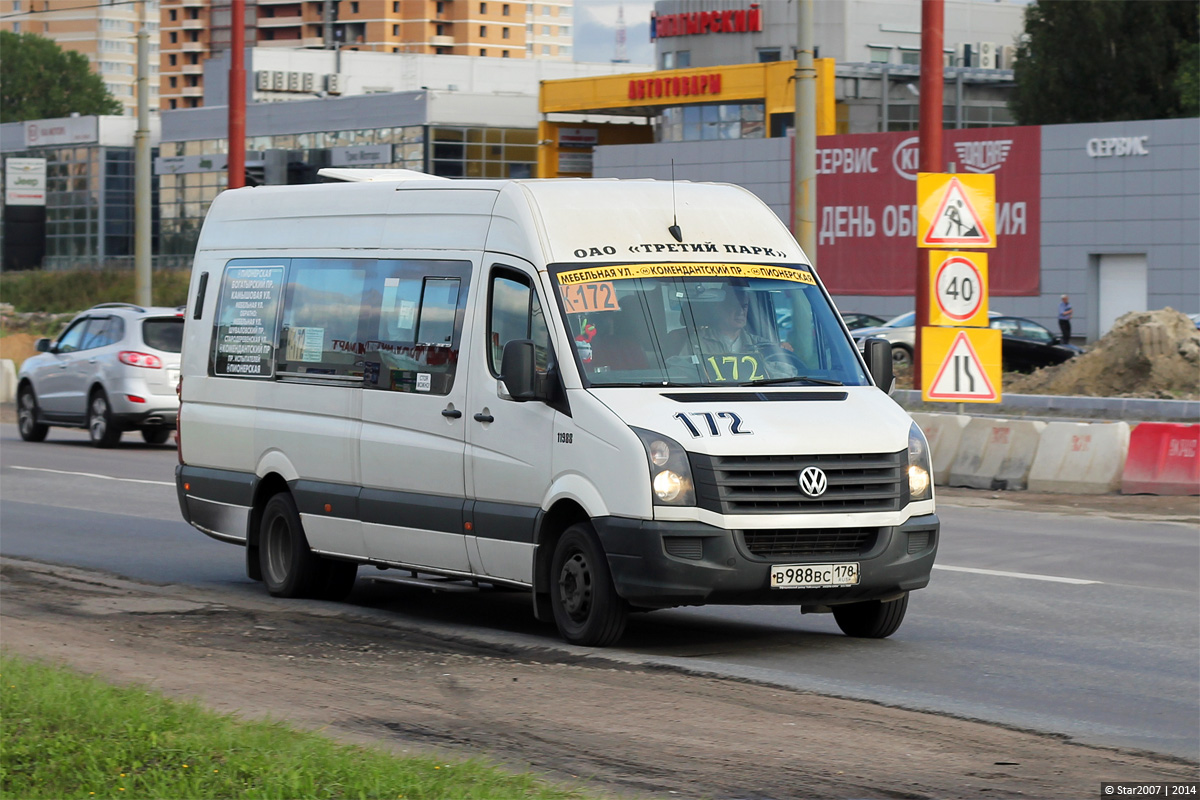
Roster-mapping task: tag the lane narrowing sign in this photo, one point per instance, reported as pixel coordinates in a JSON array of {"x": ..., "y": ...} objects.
[{"x": 969, "y": 370}]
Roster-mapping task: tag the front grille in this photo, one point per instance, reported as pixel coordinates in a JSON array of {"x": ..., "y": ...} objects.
[
  {"x": 789, "y": 543},
  {"x": 771, "y": 484}
]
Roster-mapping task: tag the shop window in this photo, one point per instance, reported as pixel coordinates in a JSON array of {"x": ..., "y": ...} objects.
[
  {"x": 766, "y": 54},
  {"x": 683, "y": 58},
  {"x": 667, "y": 61},
  {"x": 910, "y": 56},
  {"x": 880, "y": 55}
]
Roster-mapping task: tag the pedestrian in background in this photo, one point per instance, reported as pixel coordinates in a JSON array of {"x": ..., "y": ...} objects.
[{"x": 1064, "y": 319}]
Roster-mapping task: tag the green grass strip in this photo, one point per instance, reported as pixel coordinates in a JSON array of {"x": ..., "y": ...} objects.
[
  {"x": 61, "y": 291},
  {"x": 68, "y": 735}
]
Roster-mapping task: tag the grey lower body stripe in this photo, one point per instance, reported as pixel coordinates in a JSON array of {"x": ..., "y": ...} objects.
[{"x": 510, "y": 522}]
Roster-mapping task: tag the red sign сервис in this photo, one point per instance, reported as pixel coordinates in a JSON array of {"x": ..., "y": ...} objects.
[{"x": 867, "y": 194}]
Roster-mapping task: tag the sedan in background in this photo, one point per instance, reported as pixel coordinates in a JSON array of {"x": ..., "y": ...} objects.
[
  {"x": 1026, "y": 345},
  {"x": 856, "y": 319},
  {"x": 897, "y": 330}
]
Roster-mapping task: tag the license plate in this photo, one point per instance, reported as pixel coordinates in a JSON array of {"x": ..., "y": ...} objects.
[{"x": 808, "y": 576}]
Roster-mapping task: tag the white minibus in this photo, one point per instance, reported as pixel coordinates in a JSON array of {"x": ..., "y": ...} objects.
[{"x": 614, "y": 394}]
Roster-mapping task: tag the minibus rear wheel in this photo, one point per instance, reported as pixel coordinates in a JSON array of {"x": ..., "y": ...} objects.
[
  {"x": 289, "y": 567},
  {"x": 872, "y": 619},
  {"x": 587, "y": 608}
]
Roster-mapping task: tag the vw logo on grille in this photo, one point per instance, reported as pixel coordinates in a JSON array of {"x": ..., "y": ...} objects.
[{"x": 813, "y": 481}]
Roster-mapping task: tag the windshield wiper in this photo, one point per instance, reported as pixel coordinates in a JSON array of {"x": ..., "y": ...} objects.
[{"x": 821, "y": 381}]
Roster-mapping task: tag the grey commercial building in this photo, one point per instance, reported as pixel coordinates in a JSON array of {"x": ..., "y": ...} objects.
[{"x": 1110, "y": 214}]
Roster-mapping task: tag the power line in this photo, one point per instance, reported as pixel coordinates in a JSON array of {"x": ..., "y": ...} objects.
[{"x": 32, "y": 11}]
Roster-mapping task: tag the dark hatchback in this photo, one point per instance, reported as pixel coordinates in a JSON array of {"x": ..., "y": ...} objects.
[{"x": 1027, "y": 345}]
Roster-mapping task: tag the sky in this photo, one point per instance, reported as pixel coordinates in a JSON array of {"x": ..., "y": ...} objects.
[{"x": 596, "y": 28}]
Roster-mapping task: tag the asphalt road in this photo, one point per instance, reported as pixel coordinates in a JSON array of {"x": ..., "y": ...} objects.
[{"x": 1079, "y": 625}]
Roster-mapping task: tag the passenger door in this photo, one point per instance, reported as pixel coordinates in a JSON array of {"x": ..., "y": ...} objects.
[
  {"x": 509, "y": 443},
  {"x": 54, "y": 382},
  {"x": 414, "y": 416}
]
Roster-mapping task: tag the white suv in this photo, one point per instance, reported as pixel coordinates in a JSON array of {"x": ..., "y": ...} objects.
[{"x": 114, "y": 368}]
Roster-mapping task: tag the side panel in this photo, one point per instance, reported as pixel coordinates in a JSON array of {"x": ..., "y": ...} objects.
[
  {"x": 317, "y": 429},
  {"x": 413, "y": 447},
  {"x": 508, "y": 442}
]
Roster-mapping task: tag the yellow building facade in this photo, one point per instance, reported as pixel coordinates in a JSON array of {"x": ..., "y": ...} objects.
[{"x": 740, "y": 101}]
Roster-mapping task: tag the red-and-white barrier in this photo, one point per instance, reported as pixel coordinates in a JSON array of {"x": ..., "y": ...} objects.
[{"x": 1163, "y": 458}]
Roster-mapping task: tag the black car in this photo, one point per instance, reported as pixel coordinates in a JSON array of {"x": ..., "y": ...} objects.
[{"x": 1026, "y": 345}]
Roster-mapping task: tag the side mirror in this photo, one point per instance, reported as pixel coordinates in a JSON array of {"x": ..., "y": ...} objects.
[
  {"x": 878, "y": 354},
  {"x": 43, "y": 345},
  {"x": 518, "y": 366}
]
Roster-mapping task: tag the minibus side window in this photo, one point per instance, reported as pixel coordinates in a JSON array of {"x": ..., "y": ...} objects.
[
  {"x": 516, "y": 313},
  {"x": 390, "y": 324}
]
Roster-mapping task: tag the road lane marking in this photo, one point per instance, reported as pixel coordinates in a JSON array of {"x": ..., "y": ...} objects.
[
  {"x": 1025, "y": 575},
  {"x": 94, "y": 475}
]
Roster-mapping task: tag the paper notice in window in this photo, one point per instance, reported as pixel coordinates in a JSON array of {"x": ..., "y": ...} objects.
[{"x": 305, "y": 344}]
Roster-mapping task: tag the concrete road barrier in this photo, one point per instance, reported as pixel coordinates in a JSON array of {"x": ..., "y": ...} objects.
[
  {"x": 1163, "y": 459},
  {"x": 1080, "y": 458},
  {"x": 8, "y": 380},
  {"x": 944, "y": 432},
  {"x": 996, "y": 454}
]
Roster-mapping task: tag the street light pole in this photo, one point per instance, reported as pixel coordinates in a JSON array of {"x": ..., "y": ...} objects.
[
  {"x": 931, "y": 89},
  {"x": 805, "y": 118},
  {"x": 237, "y": 95},
  {"x": 141, "y": 172}
]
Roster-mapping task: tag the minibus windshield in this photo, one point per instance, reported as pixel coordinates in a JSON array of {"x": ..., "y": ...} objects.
[{"x": 703, "y": 325}]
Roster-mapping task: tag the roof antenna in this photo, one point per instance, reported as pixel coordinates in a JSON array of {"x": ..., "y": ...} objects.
[{"x": 674, "y": 229}]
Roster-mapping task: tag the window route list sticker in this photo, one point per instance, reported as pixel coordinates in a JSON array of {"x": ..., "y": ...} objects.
[{"x": 246, "y": 329}]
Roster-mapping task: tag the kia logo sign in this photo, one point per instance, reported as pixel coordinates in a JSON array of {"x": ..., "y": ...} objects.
[{"x": 906, "y": 158}]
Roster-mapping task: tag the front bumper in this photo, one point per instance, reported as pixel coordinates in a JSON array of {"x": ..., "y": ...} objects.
[{"x": 720, "y": 569}]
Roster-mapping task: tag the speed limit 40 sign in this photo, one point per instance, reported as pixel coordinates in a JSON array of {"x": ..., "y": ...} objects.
[{"x": 959, "y": 289}]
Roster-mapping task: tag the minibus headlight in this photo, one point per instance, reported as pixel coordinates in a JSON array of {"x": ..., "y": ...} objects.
[
  {"x": 920, "y": 471},
  {"x": 670, "y": 472}
]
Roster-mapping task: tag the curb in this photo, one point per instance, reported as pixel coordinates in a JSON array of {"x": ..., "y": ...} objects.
[{"x": 1119, "y": 408}]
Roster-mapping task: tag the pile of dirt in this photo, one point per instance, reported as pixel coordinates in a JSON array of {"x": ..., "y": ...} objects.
[
  {"x": 1153, "y": 354},
  {"x": 18, "y": 347}
]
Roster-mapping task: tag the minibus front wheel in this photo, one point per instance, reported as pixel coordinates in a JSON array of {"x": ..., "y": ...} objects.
[
  {"x": 873, "y": 619},
  {"x": 586, "y": 606}
]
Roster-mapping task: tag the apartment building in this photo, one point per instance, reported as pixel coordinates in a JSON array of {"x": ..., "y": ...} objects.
[
  {"x": 105, "y": 33},
  {"x": 195, "y": 30}
]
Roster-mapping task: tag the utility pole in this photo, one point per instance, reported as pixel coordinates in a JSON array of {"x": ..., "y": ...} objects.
[
  {"x": 805, "y": 118},
  {"x": 141, "y": 171},
  {"x": 932, "y": 70},
  {"x": 237, "y": 95}
]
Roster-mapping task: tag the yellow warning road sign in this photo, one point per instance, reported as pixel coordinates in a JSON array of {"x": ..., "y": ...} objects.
[
  {"x": 956, "y": 210},
  {"x": 960, "y": 365},
  {"x": 958, "y": 288}
]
